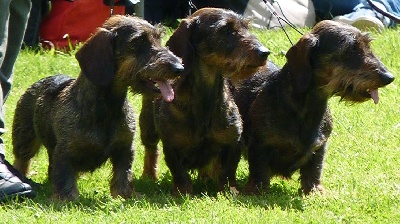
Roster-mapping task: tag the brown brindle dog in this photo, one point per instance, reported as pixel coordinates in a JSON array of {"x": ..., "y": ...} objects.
[
  {"x": 202, "y": 126},
  {"x": 82, "y": 122},
  {"x": 286, "y": 117}
]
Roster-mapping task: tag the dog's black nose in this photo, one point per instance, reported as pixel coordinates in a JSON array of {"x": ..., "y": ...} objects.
[
  {"x": 386, "y": 78},
  {"x": 177, "y": 68},
  {"x": 263, "y": 52}
]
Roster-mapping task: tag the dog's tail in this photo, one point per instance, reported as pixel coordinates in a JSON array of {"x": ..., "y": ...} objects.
[{"x": 24, "y": 139}]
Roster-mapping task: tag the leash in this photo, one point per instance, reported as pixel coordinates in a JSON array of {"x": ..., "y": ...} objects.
[
  {"x": 111, "y": 8},
  {"x": 387, "y": 14},
  {"x": 191, "y": 6},
  {"x": 271, "y": 9}
]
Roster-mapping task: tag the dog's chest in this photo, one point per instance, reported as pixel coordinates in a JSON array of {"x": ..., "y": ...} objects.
[
  {"x": 294, "y": 149},
  {"x": 222, "y": 124},
  {"x": 91, "y": 146}
]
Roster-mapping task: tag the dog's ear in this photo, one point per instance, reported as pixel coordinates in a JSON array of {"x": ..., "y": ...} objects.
[
  {"x": 179, "y": 43},
  {"x": 96, "y": 58},
  {"x": 299, "y": 64}
]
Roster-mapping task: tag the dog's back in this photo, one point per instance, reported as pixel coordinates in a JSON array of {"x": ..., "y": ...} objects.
[{"x": 25, "y": 116}]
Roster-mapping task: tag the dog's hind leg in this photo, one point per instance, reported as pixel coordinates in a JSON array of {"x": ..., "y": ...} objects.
[
  {"x": 24, "y": 139},
  {"x": 62, "y": 175},
  {"x": 149, "y": 139}
]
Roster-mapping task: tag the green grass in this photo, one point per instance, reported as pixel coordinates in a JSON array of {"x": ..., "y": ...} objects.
[{"x": 361, "y": 171}]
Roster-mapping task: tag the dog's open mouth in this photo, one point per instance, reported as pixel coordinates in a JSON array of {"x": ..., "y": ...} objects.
[
  {"x": 351, "y": 94},
  {"x": 164, "y": 87}
]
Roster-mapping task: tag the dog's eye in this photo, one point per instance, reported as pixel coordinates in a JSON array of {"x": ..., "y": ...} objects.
[
  {"x": 224, "y": 29},
  {"x": 139, "y": 44},
  {"x": 141, "y": 41},
  {"x": 227, "y": 30},
  {"x": 357, "y": 50}
]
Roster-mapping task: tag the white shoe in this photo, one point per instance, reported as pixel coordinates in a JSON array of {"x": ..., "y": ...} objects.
[{"x": 362, "y": 22}]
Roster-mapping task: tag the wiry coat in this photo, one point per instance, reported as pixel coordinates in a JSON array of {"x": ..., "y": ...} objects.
[
  {"x": 202, "y": 126},
  {"x": 286, "y": 117},
  {"x": 82, "y": 122}
]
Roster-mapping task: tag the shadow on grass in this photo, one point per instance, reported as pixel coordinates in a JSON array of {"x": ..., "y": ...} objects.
[
  {"x": 278, "y": 196},
  {"x": 159, "y": 195}
]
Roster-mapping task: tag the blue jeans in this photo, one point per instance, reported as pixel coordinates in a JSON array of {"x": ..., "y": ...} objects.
[
  {"x": 327, "y": 9},
  {"x": 13, "y": 19},
  {"x": 392, "y": 6}
]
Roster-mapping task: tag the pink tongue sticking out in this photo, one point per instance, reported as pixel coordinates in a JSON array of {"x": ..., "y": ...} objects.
[
  {"x": 374, "y": 95},
  {"x": 166, "y": 91}
]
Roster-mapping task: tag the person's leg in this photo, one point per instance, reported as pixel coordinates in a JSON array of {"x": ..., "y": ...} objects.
[
  {"x": 326, "y": 9},
  {"x": 391, "y": 6},
  {"x": 4, "y": 18},
  {"x": 365, "y": 17},
  {"x": 31, "y": 37},
  {"x": 13, "y": 18},
  {"x": 18, "y": 17},
  {"x": 394, "y": 6}
]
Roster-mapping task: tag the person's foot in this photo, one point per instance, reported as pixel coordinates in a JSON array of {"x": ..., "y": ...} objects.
[
  {"x": 362, "y": 22},
  {"x": 11, "y": 186}
]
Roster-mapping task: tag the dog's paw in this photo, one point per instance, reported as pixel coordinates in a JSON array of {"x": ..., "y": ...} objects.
[
  {"x": 126, "y": 192},
  {"x": 150, "y": 166},
  {"x": 233, "y": 190},
  {"x": 253, "y": 189},
  {"x": 186, "y": 189},
  {"x": 65, "y": 197},
  {"x": 319, "y": 189},
  {"x": 150, "y": 174}
]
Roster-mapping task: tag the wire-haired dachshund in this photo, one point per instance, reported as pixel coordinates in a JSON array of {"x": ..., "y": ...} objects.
[
  {"x": 202, "y": 127},
  {"x": 82, "y": 122},
  {"x": 286, "y": 117}
]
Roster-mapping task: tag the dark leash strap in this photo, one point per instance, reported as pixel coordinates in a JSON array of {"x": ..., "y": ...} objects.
[
  {"x": 191, "y": 6},
  {"x": 383, "y": 12},
  {"x": 271, "y": 9},
  {"x": 111, "y": 8}
]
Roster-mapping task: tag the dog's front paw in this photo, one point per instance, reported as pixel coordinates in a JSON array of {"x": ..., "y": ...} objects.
[
  {"x": 125, "y": 192},
  {"x": 185, "y": 189},
  {"x": 314, "y": 189},
  {"x": 255, "y": 189},
  {"x": 73, "y": 196}
]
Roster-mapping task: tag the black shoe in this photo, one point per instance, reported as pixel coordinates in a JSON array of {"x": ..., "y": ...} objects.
[
  {"x": 11, "y": 186},
  {"x": 22, "y": 177}
]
